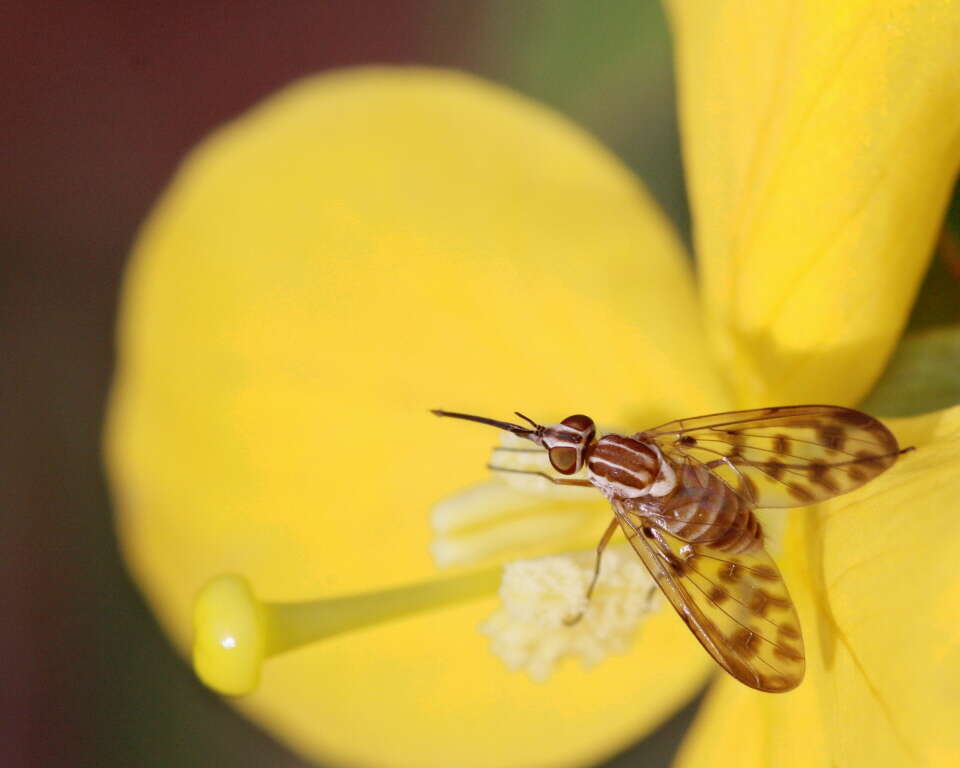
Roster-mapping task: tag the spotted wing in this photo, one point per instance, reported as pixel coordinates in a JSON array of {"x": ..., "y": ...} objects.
[
  {"x": 737, "y": 606},
  {"x": 781, "y": 457}
]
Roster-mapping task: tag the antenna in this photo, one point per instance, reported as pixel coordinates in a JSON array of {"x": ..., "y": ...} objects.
[
  {"x": 516, "y": 429},
  {"x": 527, "y": 418}
]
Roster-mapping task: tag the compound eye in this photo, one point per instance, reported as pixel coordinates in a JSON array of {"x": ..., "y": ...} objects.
[
  {"x": 579, "y": 422},
  {"x": 564, "y": 459}
]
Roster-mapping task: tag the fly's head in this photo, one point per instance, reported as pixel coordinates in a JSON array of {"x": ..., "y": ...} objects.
[{"x": 567, "y": 443}]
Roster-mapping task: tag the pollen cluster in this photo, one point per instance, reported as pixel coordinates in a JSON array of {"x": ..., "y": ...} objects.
[{"x": 539, "y": 598}]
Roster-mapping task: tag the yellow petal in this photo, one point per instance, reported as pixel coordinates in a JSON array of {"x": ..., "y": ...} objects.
[
  {"x": 889, "y": 570},
  {"x": 361, "y": 248},
  {"x": 742, "y": 728},
  {"x": 876, "y": 583},
  {"x": 821, "y": 141}
]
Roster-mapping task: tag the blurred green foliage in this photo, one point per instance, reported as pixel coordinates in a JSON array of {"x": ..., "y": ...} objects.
[
  {"x": 923, "y": 375},
  {"x": 939, "y": 300},
  {"x": 608, "y": 66},
  {"x": 924, "y": 372}
]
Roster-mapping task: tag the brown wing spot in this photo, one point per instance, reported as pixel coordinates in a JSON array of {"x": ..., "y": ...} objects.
[
  {"x": 853, "y": 417},
  {"x": 676, "y": 564},
  {"x": 741, "y": 669},
  {"x": 774, "y": 468},
  {"x": 832, "y": 436},
  {"x": 788, "y": 652},
  {"x": 870, "y": 461},
  {"x": 765, "y": 573},
  {"x": 800, "y": 493},
  {"x": 788, "y": 630},
  {"x": 856, "y": 474},
  {"x": 731, "y": 571},
  {"x": 781, "y": 444},
  {"x": 820, "y": 474},
  {"x": 718, "y": 595},
  {"x": 797, "y": 422},
  {"x": 745, "y": 641},
  {"x": 687, "y": 440},
  {"x": 735, "y": 436},
  {"x": 762, "y": 601},
  {"x": 775, "y": 683}
]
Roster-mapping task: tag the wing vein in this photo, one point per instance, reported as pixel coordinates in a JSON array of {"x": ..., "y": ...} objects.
[{"x": 732, "y": 618}]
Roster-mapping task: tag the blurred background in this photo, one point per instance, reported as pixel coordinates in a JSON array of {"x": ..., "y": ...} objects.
[{"x": 101, "y": 101}]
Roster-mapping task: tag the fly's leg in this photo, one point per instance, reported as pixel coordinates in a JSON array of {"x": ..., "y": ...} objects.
[
  {"x": 602, "y": 545},
  {"x": 603, "y": 541},
  {"x": 554, "y": 480}
]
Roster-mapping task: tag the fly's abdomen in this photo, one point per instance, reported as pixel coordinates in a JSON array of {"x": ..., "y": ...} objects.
[{"x": 705, "y": 510}]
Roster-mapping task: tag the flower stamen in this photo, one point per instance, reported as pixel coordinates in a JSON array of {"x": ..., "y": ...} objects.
[{"x": 531, "y": 631}]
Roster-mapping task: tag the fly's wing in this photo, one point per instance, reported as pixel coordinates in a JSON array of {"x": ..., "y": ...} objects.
[
  {"x": 780, "y": 457},
  {"x": 737, "y": 606}
]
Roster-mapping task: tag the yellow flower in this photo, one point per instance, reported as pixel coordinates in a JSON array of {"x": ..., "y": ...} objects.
[
  {"x": 365, "y": 246},
  {"x": 371, "y": 244}
]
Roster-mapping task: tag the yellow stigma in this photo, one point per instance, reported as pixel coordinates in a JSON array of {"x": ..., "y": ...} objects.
[
  {"x": 229, "y": 635},
  {"x": 234, "y": 632}
]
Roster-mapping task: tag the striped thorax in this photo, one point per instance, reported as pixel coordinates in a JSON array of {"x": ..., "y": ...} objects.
[{"x": 621, "y": 467}]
